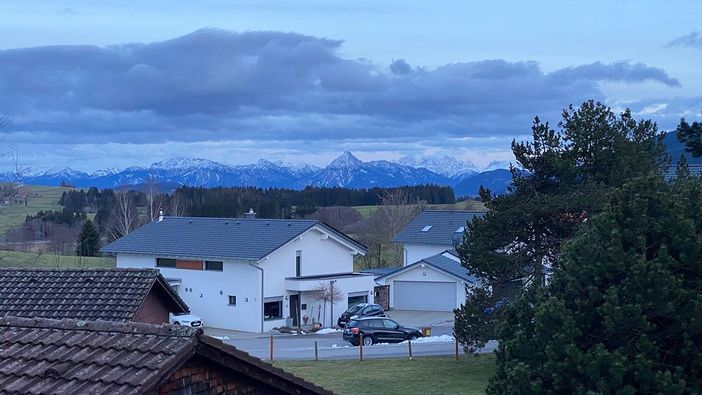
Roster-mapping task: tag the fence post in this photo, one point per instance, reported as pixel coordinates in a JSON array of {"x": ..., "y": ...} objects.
[
  {"x": 316, "y": 353},
  {"x": 456, "y": 349},
  {"x": 360, "y": 345},
  {"x": 271, "y": 355},
  {"x": 409, "y": 343}
]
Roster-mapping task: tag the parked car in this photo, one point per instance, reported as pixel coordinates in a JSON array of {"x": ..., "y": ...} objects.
[
  {"x": 185, "y": 319},
  {"x": 359, "y": 311},
  {"x": 378, "y": 330}
]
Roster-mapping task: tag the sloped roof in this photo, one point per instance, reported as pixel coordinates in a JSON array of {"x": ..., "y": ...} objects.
[
  {"x": 81, "y": 357},
  {"x": 440, "y": 262},
  {"x": 233, "y": 238},
  {"x": 87, "y": 294},
  {"x": 443, "y": 223}
]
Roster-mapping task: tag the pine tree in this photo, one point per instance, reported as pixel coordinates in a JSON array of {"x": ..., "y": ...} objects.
[
  {"x": 691, "y": 136},
  {"x": 623, "y": 314},
  {"x": 564, "y": 178},
  {"x": 88, "y": 240}
]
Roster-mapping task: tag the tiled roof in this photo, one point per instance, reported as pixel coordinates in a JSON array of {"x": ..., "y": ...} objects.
[
  {"x": 42, "y": 356},
  {"x": 695, "y": 170},
  {"x": 380, "y": 271},
  {"x": 87, "y": 294},
  {"x": 234, "y": 238},
  {"x": 440, "y": 227},
  {"x": 441, "y": 262}
]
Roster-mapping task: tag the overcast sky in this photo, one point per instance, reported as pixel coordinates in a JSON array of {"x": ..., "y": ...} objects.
[{"x": 92, "y": 85}]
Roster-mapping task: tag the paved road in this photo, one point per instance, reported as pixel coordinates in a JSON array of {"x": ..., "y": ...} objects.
[{"x": 332, "y": 346}]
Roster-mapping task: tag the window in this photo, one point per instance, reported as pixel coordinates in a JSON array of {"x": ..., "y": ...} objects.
[
  {"x": 273, "y": 310},
  {"x": 389, "y": 324},
  {"x": 298, "y": 263},
  {"x": 303, "y": 306},
  {"x": 232, "y": 300},
  {"x": 214, "y": 265},
  {"x": 354, "y": 300},
  {"x": 427, "y": 228},
  {"x": 461, "y": 229},
  {"x": 165, "y": 262}
]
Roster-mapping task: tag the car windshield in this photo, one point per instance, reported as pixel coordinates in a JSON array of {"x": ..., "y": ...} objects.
[
  {"x": 353, "y": 309},
  {"x": 352, "y": 324}
]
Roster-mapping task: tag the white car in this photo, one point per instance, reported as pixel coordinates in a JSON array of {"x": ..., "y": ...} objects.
[{"x": 185, "y": 319}]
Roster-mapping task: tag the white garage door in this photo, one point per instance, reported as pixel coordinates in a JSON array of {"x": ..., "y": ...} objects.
[{"x": 424, "y": 295}]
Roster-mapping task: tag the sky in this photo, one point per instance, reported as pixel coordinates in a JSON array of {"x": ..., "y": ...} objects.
[{"x": 113, "y": 84}]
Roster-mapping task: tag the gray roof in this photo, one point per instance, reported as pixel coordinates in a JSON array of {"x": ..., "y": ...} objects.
[
  {"x": 695, "y": 170},
  {"x": 233, "y": 238},
  {"x": 380, "y": 271},
  {"x": 444, "y": 224},
  {"x": 443, "y": 263}
]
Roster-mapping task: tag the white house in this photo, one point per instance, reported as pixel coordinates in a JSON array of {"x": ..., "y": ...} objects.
[
  {"x": 249, "y": 274},
  {"x": 433, "y": 232},
  {"x": 432, "y": 277},
  {"x": 435, "y": 283}
]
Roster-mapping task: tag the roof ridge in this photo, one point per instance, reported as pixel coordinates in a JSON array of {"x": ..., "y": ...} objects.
[
  {"x": 451, "y": 211},
  {"x": 100, "y": 326},
  {"x": 70, "y": 269},
  {"x": 241, "y": 219}
]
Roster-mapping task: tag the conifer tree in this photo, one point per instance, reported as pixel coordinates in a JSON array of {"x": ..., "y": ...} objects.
[{"x": 88, "y": 240}]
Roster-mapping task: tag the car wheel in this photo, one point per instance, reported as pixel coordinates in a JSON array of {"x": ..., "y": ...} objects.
[
  {"x": 368, "y": 340},
  {"x": 412, "y": 337},
  {"x": 176, "y": 323}
]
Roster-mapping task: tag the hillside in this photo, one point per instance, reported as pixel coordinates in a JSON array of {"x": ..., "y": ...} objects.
[
  {"x": 40, "y": 198},
  {"x": 34, "y": 260}
]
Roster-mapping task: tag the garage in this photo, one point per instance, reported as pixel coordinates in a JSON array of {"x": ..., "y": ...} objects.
[{"x": 424, "y": 295}]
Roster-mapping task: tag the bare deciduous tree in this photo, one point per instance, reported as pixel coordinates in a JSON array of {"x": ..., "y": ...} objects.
[
  {"x": 177, "y": 205},
  {"x": 392, "y": 216},
  {"x": 154, "y": 200},
  {"x": 124, "y": 218},
  {"x": 325, "y": 292}
]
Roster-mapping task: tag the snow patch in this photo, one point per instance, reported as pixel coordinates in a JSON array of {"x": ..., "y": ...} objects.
[
  {"x": 326, "y": 331},
  {"x": 432, "y": 339}
]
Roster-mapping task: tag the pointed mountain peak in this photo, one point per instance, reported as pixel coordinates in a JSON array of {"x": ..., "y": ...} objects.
[{"x": 346, "y": 160}]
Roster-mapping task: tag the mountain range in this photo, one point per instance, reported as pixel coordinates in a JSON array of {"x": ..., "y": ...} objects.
[{"x": 345, "y": 171}]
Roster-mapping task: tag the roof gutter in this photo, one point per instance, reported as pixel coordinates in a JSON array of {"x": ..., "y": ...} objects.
[{"x": 261, "y": 269}]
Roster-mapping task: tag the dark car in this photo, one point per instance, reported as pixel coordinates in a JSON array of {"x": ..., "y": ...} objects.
[
  {"x": 360, "y": 311},
  {"x": 378, "y": 330}
]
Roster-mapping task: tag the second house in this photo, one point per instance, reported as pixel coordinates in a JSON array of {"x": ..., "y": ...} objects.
[{"x": 251, "y": 274}]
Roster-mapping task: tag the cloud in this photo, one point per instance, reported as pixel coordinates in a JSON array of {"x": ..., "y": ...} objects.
[
  {"x": 693, "y": 40},
  {"x": 215, "y": 85}
]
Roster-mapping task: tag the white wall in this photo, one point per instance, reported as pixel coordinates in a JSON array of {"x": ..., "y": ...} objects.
[
  {"x": 415, "y": 252},
  {"x": 346, "y": 286},
  {"x": 427, "y": 273},
  {"x": 237, "y": 278}
]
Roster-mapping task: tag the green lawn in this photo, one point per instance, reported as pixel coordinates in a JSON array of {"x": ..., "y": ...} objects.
[
  {"x": 427, "y": 375},
  {"x": 41, "y": 198},
  {"x": 34, "y": 260}
]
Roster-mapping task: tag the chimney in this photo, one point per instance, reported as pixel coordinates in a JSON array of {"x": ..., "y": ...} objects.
[
  {"x": 251, "y": 214},
  {"x": 160, "y": 215}
]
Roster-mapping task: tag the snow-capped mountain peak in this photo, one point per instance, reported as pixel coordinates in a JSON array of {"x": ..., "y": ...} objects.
[
  {"x": 187, "y": 163},
  {"x": 345, "y": 160},
  {"x": 448, "y": 166},
  {"x": 497, "y": 164}
]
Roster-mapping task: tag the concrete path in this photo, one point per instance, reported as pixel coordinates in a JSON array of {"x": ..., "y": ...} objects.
[{"x": 332, "y": 346}]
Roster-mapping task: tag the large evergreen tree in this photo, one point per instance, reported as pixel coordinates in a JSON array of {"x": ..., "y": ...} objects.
[
  {"x": 88, "y": 240},
  {"x": 623, "y": 314},
  {"x": 691, "y": 136},
  {"x": 564, "y": 178}
]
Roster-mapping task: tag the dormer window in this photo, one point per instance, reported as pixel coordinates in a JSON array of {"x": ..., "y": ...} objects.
[{"x": 427, "y": 228}]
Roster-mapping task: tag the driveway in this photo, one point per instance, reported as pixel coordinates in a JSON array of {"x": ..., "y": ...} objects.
[{"x": 420, "y": 318}]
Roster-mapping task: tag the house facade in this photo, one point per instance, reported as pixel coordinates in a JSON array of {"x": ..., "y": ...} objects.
[
  {"x": 251, "y": 274},
  {"x": 435, "y": 283},
  {"x": 433, "y": 232}
]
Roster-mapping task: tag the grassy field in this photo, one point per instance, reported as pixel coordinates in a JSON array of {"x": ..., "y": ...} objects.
[
  {"x": 42, "y": 198},
  {"x": 428, "y": 375},
  {"x": 34, "y": 260},
  {"x": 471, "y": 205}
]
